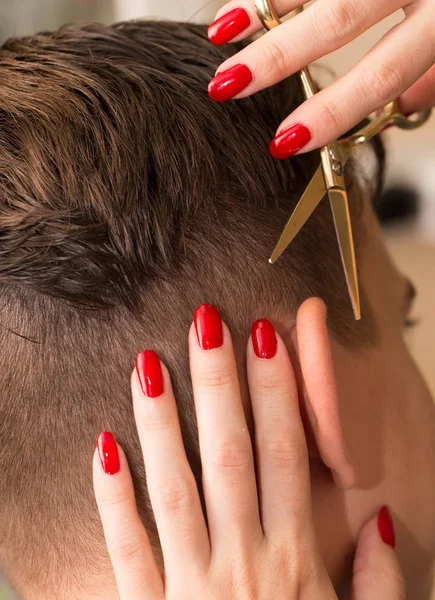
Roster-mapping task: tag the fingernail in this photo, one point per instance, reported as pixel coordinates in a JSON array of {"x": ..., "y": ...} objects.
[
  {"x": 108, "y": 453},
  {"x": 208, "y": 326},
  {"x": 228, "y": 26},
  {"x": 386, "y": 528},
  {"x": 264, "y": 339},
  {"x": 229, "y": 83},
  {"x": 289, "y": 141},
  {"x": 149, "y": 371}
]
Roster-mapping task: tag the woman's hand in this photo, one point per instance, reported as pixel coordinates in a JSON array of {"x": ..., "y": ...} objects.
[
  {"x": 401, "y": 64},
  {"x": 260, "y": 540}
]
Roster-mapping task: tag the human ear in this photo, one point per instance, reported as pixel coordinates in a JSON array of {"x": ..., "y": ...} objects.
[{"x": 319, "y": 390}]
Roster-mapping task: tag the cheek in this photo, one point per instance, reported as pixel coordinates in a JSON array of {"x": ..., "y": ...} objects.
[
  {"x": 412, "y": 477},
  {"x": 388, "y": 420}
]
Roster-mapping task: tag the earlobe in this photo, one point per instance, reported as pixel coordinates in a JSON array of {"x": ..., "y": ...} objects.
[{"x": 319, "y": 382}]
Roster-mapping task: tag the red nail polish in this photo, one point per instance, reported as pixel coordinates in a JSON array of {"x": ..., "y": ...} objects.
[
  {"x": 228, "y": 26},
  {"x": 108, "y": 453},
  {"x": 149, "y": 371},
  {"x": 208, "y": 325},
  {"x": 386, "y": 528},
  {"x": 229, "y": 83},
  {"x": 289, "y": 141},
  {"x": 264, "y": 339}
]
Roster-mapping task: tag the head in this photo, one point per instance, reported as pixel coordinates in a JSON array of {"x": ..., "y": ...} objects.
[{"x": 128, "y": 198}]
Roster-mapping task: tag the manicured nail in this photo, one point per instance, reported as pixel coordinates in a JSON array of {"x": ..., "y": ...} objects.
[
  {"x": 228, "y": 26},
  {"x": 149, "y": 371},
  {"x": 386, "y": 528},
  {"x": 208, "y": 325},
  {"x": 108, "y": 453},
  {"x": 289, "y": 141},
  {"x": 264, "y": 339},
  {"x": 229, "y": 83}
]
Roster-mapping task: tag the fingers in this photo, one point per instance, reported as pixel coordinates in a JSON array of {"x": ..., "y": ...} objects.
[
  {"x": 390, "y": 68},
  {"x": 171, "y": 484},
  {"x": 238, "y": 19},
  {"x": 325, "y": 26},
  {"x": 376, "y": 572},
  {"x": 385, "y": 73},
  {"x": 133, "y": 562},
  {"x": 226, "y": 451},
  {"x": 282, "y": 457}
]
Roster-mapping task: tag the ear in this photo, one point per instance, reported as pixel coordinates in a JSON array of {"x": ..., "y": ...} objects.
[{"x": 320, "y": 393}]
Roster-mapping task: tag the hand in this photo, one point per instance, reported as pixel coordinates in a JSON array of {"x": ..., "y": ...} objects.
[
  {"x": 401, "y": 64},
  {"x": 247, "y": 551}
]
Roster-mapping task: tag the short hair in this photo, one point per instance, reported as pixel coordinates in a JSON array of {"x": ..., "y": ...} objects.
[{"x": 127, "y": 198}]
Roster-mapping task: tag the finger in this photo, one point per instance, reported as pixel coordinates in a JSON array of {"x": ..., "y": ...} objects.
[
  {"x": 390, "y": 68},
  {"x": 376, "y": 571},
  {"x": 226, "y": 451},
  {"x": 239, "y": 19},
  {"x": 324, "y": 27},
  {"x": 171, "y": 484},
  {"x": 421, "y": 95},
  {"x": 135, "y": 568},
  {"x": 282, "y": 456}
]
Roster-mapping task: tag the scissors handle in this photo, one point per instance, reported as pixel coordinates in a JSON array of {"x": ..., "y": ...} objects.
[{"x": 388, "y": 115}]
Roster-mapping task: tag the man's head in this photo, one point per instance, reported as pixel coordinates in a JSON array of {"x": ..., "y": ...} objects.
[{"x": 127, "y": 198}]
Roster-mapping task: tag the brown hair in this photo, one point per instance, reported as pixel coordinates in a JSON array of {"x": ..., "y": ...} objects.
[{"x": 127, "y": 198}]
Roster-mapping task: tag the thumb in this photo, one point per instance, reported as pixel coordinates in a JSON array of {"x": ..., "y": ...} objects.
[{"x": 376, "y": 571}]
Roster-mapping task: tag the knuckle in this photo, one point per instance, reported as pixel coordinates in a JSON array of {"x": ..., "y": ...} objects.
[
  {"x": 232, "y": 455},
  {"x": 125, "y": 548},
  {"x": 396, "y": 582},
  {"x": 240, "y": 572},
  {"x": 339, "y": 21},
  {"x": 307, "y": 565},
  {"x": 116, "y": 498},
  {"x": 217, "y": 378},
  {"x": 271, "y": 385},
  {"x": 175, "y": 495},
  {"x": 286, "y": 453},
  {"x": 285, "y": 560},
  {"x": 276, "y": 59},
  {"x": 400, "y": 586},
  {"x": 388, "y": 577},
  {"x": 158, "y": 421},
  {"x": 331, "y": 118},
  {"x": 246, "y": 584},
  {"x": 382, "y": 83}
]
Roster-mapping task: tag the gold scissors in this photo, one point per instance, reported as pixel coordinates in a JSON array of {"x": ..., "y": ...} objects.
[{"x": 329, "y": 177}]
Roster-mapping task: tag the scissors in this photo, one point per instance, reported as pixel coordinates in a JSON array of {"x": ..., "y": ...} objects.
[{"x": 329, "y": 176}]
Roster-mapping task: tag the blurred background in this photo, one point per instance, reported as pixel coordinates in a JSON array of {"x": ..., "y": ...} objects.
[{"x": 411, "y": 155}]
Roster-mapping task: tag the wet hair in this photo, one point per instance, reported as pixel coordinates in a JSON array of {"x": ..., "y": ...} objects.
[{"x": 127, "y": 198}]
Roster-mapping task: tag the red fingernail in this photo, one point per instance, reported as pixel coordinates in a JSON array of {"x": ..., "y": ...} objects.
[
  {"x": 229, "y": 83},
  {"x": 227, "y": 27},
  {"x": 290, "y": 141},
  {"x": 149, "y": 371},
  {"x": 264, "y": 339},
  {"x": 386, "y": 528},
  {"x": 108, "y": 453},
  {"x": 208, "y": 325}
]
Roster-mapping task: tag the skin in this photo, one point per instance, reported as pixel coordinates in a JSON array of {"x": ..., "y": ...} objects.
[
  {"x": 401, "y": 64},
  {"x": 388, "y": 420},
  {"x": 372, "y": 444}
]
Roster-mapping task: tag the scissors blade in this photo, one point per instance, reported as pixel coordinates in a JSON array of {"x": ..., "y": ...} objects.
[
  {"x": 303, "y": 210},
  {"x": 343, "y": 228}
]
